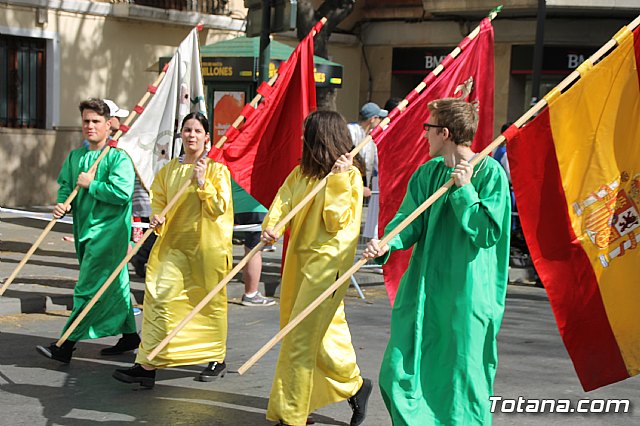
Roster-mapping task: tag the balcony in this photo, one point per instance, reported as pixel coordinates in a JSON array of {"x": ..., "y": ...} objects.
[{"x": 211, "y": 7}]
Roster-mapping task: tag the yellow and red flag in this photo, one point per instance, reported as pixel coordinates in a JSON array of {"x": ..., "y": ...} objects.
[{"x": 576, "y": 177}]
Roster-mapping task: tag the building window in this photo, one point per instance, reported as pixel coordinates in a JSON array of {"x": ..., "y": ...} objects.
[{"x": 22, "y": 82}]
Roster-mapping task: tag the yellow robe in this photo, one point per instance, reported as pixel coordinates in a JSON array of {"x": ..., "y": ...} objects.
[
  {"x": 317, "y": 362},
  {"x": 192, "y": 254}
]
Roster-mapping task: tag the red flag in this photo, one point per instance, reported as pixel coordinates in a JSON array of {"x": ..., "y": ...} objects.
[
  {"x": 402, "y": 147},
  {"x": 269, "y": 145}
]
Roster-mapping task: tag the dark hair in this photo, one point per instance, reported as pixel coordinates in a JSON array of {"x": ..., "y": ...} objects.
[
  {"x": 457, "y": 115},
  {"x": 326, "y": 137},
  {"x": 197, "y": 116},
  {"x": 392, "y": 103},
  {"x": 96, "y": 105},
  {"x": 505, "y": 126}
]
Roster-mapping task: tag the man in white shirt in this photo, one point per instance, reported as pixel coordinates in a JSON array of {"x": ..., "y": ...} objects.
[{"x": 370, "y": 116}]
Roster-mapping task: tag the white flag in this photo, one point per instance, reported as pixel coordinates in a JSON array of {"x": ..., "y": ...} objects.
[{"x": 153, "y": 139}]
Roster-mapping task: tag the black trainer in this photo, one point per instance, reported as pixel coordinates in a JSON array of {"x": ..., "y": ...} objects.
[
  {"x": 358, "y": 403},
  {"x": 310, "y": 421},
  {"x": 139, "y": 265},
  {"x": 136, "y": 374},
  {"x": 128, "y": 342},
  {"x": 212, "y": 371},
  {"x": 62, "y": 354}
]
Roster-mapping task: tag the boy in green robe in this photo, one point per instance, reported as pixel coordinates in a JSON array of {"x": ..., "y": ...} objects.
[
  {"x": 440, "y": 362},
  {"x": 101, "y": 227}
]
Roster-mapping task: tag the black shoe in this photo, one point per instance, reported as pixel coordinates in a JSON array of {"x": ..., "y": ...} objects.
[
  {"x": 358, "y": 403},
  {"x": 136, "y": 374},
  {"x": 139, "y": 265},
  {"x": 310, "y": 421},
  {"x": 128, "y": 342},
  {"x": 212, "y": 371},
  {"x": 52, "y": 351}
]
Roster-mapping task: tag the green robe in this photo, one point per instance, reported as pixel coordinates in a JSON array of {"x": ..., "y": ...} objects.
[
  {"x": 439, "y": 365},
  {"x": 101, "y": 228}
]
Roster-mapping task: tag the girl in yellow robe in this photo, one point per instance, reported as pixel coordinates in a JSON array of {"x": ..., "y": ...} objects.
[
  {"x": 317, "y": 362},
  {"x": 192, "y": 254}
]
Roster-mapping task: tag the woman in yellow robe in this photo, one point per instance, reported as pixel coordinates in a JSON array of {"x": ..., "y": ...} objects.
[
  {"x": 317, "y": 362},
  {"x": 192, "y": 254}
]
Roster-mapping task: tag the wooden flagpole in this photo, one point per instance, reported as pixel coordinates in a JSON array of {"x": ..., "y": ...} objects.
[
  {"x": 307, "y": 199},
  {"x": 533, "y": 111},
  {"x": 238, "y": 267},
  {"x": 136, "y": 247},
  {"x": 74, "y": 193}
]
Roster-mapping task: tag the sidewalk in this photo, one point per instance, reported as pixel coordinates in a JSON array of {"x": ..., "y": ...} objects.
[{"x": 46, "y": 282}]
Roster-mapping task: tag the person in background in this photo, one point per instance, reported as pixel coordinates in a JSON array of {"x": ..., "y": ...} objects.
[
  {"x": 392, "y": 103},
  {"x": 140, "y": 205},
  {"x": 500, "y": 153},
  {"x": 248, "y": 211},
  {"x": 140, "y": 211},
  {"x": 369, "y": 117}
]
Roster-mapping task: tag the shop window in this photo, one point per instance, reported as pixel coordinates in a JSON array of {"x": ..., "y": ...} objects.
[
  {"x": 547, "y": 83},
  {"x": 22, "y": 82}
]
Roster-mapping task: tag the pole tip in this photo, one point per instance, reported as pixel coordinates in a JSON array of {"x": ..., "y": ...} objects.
[{"x": 495, "y": 12}]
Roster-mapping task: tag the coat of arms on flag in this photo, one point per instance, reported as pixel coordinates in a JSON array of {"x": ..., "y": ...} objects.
[{"x": 611, "y": 217}]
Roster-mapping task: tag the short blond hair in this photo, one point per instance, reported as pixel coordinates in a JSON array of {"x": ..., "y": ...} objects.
[{"x": 457, "y": 115}]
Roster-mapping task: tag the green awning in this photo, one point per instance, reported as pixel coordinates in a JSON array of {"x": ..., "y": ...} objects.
[
  {"x": 236, "y": 60},
  {"x": 250, "y": 47}
]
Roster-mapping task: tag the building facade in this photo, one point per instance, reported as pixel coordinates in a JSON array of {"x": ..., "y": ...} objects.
[
  {"x": 405, "y": 39},
  {"x": 54, "y": 54}
]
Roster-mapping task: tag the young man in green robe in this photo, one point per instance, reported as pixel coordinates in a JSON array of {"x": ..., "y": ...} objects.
[
  {"x": 440, "y": 362},
  {"x": 101, "y": 227}
]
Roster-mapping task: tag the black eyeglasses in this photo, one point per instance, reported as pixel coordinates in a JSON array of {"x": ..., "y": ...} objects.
[{"x": 437, "y": 126}]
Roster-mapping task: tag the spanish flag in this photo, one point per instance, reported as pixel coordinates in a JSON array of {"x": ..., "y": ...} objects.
[{"x": 576, "y": 177}]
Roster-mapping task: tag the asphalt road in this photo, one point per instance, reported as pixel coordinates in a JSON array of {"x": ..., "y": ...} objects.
[{"x": 35, "y": 391}]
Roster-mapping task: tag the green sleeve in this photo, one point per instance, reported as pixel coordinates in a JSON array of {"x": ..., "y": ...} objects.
[
  {"x": 65, "y": 180},
  {"x": 406, "y": 238},
  {"x": 480, "y": 211},
  {"x": 118, "y": 187}
]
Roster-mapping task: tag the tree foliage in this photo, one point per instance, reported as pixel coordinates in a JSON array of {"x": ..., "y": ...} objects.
[{"x": 335, "y": 11}]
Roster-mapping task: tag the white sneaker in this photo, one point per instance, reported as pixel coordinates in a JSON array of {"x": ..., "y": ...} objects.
[{"x": 257, "y": 300}]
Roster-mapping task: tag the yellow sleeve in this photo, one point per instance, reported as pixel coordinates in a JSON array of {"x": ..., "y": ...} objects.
[
  {"x": 158, "y": 195},
  {"x": 343, "y": 196},
  {"x": 282, "y": 203},
  {"x": 216, "y": 194}
]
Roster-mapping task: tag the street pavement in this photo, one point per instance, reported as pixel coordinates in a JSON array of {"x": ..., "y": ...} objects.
[{"x": 36, "y": 391}]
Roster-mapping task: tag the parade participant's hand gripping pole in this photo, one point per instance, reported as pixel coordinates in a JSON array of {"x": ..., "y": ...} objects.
[
  {"x": 307, "y": 199},
  {"x": 144, "y": 237},
  {"x": 74, "y": 193},
  {"x": 236, "y": 269},
  {"x": 568, "y": 81}
]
